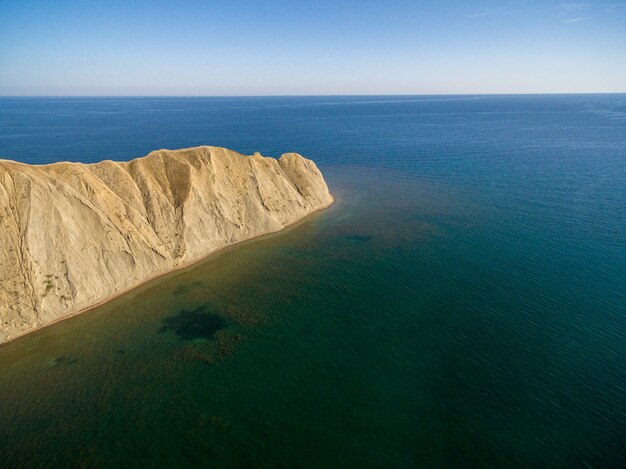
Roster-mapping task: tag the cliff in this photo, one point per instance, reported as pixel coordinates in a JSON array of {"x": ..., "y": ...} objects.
[{"x": 73, "y": 235}]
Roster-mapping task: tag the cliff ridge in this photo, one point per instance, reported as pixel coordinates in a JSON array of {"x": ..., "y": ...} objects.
[{"x": 73, "y": 234}]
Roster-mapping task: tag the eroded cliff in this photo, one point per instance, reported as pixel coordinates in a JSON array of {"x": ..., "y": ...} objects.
[{"x": 73, "y": 235}]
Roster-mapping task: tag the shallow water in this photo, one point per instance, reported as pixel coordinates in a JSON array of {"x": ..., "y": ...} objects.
[{"x": 462, "y": 303}]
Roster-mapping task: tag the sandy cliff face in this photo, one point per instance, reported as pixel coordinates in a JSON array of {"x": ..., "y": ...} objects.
[{"x": 72, "y": 235}]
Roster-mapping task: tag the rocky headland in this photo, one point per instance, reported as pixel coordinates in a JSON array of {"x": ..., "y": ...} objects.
[{"x": 73, "y": 235}]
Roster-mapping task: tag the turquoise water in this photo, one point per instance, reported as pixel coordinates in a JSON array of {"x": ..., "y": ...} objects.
[{"x": 462, "y": 304}]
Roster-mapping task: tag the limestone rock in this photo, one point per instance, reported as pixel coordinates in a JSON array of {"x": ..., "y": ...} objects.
[{"x": 73, "y": 235}]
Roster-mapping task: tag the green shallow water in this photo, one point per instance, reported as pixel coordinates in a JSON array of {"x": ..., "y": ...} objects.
[{"x": 360, "y": 337}]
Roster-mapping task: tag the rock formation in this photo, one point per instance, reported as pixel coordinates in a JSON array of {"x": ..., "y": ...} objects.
[{"x": 73, "y": 235}]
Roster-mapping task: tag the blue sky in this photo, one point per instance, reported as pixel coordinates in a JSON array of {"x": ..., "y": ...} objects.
[{"x": 281, "y": 47}]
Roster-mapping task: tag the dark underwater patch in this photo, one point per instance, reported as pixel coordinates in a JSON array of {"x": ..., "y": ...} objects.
[
  {"x": 196, "y": 324},
  {"x": 358, "y": 238},
  {"x": 63, "y": 360}
]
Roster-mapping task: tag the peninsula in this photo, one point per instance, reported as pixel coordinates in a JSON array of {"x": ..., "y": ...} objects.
[{"x": 73, "y": 235}]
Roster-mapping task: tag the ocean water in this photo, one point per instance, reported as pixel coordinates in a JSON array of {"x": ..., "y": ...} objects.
[{"x": 462, "y": 304}]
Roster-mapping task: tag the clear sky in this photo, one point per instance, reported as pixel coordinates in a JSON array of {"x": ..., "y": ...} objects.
[{"x": 287, "y": 47}]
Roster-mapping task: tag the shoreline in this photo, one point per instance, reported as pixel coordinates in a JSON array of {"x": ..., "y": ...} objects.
[{"x": 161, "y": 274}]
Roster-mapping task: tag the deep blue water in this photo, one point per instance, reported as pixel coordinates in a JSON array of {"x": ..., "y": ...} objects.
[{"x": 462, "y": 304}]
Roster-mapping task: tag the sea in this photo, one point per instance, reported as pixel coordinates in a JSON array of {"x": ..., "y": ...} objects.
[{"x": 462, "y": 304}]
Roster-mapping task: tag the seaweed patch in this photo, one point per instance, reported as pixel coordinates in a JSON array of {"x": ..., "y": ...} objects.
[{"x": 195, "y": 324}]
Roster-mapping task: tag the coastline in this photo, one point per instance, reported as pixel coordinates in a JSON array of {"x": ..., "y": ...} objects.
[{"x": 163, "y": 273}]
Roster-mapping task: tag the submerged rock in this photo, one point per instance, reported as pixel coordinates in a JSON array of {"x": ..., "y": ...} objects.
[{"x": 73, "y": 235}]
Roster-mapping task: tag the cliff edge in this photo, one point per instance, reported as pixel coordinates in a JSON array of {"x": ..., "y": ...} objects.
[{"x": 73, "y": 235}]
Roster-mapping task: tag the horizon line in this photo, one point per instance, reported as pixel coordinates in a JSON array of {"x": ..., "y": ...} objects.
[{"x": 558, "y": 93}]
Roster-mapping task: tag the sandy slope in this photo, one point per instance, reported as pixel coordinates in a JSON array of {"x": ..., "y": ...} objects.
[{"x": 72, "y": 235}]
